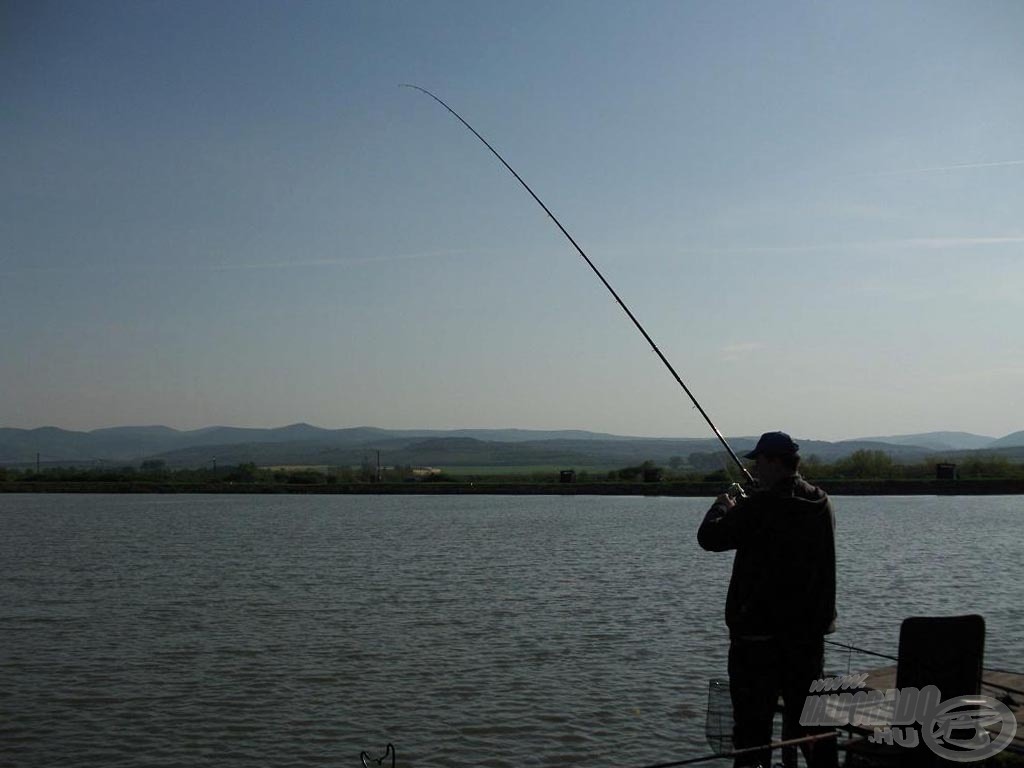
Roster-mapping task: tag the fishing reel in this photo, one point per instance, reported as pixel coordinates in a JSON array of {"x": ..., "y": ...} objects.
[{"x": 736, "y": 492}]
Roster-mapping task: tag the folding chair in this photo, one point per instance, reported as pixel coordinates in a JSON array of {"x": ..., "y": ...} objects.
[{"x": 944, "y": 651}]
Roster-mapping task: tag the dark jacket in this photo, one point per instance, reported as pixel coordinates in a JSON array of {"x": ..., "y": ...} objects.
[{"x": 784, "y": 574}]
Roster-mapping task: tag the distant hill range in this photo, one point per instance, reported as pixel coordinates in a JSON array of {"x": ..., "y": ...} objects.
[
  {"x": 303, "y": 444},
  {"x": 945, "y": 441}
]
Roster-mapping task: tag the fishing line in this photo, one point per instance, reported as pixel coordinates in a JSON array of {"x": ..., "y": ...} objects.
[{"x": 597, "y": 272}]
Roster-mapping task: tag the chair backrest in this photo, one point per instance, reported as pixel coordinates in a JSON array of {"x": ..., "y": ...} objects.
[{"x": 944, "y": 651}]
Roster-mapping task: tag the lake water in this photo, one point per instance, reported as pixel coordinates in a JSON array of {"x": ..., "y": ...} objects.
[{"x": 467, "y": 630}]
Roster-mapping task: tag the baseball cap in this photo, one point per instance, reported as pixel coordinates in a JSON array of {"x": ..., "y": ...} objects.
[{"x": 774, "y": 444}]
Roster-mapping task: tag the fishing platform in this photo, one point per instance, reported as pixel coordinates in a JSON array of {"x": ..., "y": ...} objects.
[{"x": 1004, "y": 686}]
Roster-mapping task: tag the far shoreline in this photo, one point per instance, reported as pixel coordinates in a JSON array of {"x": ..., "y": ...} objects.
[{"x": 1000, "y": 487}]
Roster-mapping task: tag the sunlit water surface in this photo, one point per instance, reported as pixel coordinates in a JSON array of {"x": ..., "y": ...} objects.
[{"x": 468, "y": 631}]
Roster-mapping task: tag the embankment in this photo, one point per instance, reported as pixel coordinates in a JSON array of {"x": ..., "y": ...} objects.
[{"x": 833, "y": 487}]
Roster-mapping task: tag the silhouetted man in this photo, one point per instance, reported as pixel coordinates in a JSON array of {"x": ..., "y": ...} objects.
[{"x": 782, "y": 596}]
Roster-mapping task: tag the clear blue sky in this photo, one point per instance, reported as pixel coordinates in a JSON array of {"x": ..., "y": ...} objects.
[{"x": 228, "y": 213}]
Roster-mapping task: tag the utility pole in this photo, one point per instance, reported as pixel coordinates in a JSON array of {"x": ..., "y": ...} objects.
[
  {"x": 37, "y": 464},
  {"x": 378, "y": 465}
]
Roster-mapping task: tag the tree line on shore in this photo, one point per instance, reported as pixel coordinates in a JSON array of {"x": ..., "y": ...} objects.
[{"x": 860, "y": 465}]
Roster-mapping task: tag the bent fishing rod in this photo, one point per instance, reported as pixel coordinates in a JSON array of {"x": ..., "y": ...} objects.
[{"x": 601, "y": 277}]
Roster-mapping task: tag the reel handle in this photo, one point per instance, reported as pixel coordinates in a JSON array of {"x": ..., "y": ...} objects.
[{"x": 736, "y": 492}]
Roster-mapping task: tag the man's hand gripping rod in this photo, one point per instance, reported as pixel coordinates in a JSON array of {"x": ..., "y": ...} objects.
[{"x": 597, "y": 272}]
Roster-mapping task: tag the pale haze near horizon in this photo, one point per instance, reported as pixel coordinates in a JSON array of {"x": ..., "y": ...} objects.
[{"x": 219, "y": 213}]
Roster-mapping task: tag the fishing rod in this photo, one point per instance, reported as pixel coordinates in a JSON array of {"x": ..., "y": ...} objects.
[
  {"x": 748, "y": 750},
  {"x": 601, "y": 277},
  {"x": 931, "y": 668}
]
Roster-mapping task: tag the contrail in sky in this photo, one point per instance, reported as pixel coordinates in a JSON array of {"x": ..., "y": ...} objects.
[
  {"x": 354, "y": 261},
  {"x": 937, "y": 168},
  {"x": 227, "y": 266},
  {"x": 908, "y": 243}
]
